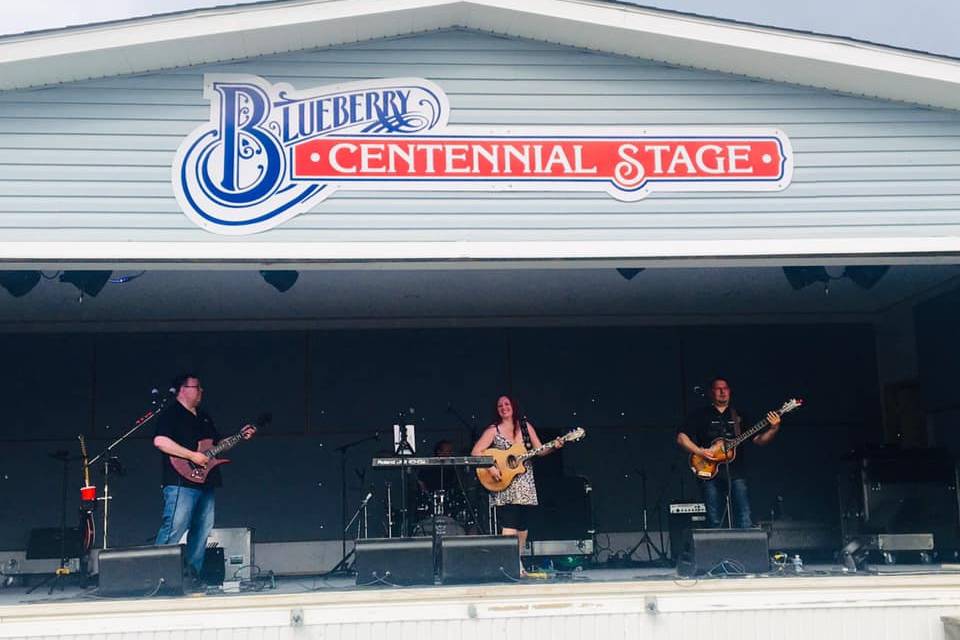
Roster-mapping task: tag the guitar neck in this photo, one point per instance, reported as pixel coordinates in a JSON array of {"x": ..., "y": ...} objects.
[
  {"x": 749, "y": 433},
  {"x": 540, "y": 449},
  {"x": 225, "y": 444}
]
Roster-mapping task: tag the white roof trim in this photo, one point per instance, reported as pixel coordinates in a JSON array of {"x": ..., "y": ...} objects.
[
  {"x": 790, "y": 251},
  {"x": 243, "y": 31}
]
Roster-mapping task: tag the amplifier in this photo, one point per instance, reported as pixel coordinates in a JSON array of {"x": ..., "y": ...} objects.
[
  {"x": 688, "y": 507},
  {"x": 539, "y": 548},
  {"x": 237, "y": 543},
  {"x": 684, "y": 516}
]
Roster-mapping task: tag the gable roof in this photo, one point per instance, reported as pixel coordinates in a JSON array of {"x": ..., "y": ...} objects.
[{"x": 243, "y": 31}]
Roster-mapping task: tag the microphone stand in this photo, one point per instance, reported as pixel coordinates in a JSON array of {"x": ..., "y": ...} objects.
[
  {"x": 155, "y": 410},
  {"x": 342, "y": 450},
  {"x": 344, "y": 566}
]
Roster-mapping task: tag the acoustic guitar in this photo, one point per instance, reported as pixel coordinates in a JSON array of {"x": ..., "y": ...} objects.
[
  {"x": 510, "y": 461},
  {"x": 724, "y": 450},
  {"x": 197, "y": 474}
]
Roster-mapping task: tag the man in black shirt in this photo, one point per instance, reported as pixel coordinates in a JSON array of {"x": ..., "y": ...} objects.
[
  {"x": 721, "y": 420},
  {"x": 187, "y": 506}
]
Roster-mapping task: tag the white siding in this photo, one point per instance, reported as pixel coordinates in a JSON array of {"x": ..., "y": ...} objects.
[
  {"x": 90, "y": 161},
  {"x": 861, "y": 608}
]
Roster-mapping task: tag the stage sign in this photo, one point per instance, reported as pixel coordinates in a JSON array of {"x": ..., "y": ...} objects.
[{"x": 270, "y": 152}]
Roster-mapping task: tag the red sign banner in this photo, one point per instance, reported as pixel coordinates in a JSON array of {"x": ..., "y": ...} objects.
[{"x": 630, "y": 164}]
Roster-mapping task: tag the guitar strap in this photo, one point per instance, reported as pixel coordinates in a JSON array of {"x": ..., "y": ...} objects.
[
  {"x": 736, "y": 421},
  {"x": 525, "y": 431}
]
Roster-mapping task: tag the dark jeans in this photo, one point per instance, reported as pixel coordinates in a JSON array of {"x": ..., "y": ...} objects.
[{"x": 714, "y": 497}]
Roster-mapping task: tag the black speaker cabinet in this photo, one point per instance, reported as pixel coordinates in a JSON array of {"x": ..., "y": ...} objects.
[
  {"x": 400, "y": 561},
  {"x": 140, "y": 571},
  {"x": 680, "y": 525},
  {"x": 708, "y": 549},
  {"x": 214, "y": 568},
  {"x": 479, "y": 558}
]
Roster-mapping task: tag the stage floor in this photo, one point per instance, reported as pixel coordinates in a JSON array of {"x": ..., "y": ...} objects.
[{"x": 898, "y": 601}]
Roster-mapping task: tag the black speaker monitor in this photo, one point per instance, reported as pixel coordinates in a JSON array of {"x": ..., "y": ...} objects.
[
  {"x": 141, "y": 571},
  {"x": 725, "y": 551},
  {"x": 388, "y": 561},
  {"x": 479, "y": 558}
]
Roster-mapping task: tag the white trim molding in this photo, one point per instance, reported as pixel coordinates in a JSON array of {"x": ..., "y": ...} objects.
[
  {"x": 244, "y": 31},
  {"x": 225, "y": 254}
]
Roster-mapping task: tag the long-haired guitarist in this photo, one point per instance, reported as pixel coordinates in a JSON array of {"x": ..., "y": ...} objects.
[
  {"x": 700, "y": 430},
  {"x": 515, "y": 502},
  {"x": 187, "y": 506}
]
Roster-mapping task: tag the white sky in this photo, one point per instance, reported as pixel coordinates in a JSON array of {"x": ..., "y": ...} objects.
[{"x": 924, "y": 25}]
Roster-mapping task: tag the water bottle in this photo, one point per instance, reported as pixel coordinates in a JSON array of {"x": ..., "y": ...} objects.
[{"x": 797, "y": 563}]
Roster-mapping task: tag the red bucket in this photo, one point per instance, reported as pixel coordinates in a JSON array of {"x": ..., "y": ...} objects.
[{"x": 88, "y": 494}]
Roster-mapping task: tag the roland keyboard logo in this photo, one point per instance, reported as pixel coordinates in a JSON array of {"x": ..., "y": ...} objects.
[{"x": 270, "y": 152}]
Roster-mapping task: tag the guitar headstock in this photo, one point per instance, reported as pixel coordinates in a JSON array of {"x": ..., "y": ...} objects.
[
  {"x": 574, "y": 435},
  {"x": 790, "y": 405}
]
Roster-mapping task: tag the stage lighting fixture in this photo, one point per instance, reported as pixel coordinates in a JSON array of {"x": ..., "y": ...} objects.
[
  {"x": 89, "y": 283},
  {"x": 19, "y": 283},
  {"x": 866, "y": 276},
  {"x": 280, "y": 280},
  {"x": 629, "y": 274},
  {"x": 800, "y": 277}
]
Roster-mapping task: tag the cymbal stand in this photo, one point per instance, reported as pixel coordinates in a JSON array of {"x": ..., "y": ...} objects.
[{"x": 111, "y": 463}]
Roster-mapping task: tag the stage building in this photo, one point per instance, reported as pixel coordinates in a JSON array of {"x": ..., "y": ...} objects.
[{"x": 353, "y": 215}]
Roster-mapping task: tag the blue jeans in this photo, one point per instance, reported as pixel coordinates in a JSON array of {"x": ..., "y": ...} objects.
[
  {"x": 714, "y": 497},
  {"x": 186, "y": 509}
]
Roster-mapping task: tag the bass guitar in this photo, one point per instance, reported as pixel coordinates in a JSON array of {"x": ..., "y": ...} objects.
[
  {"x": 510, "y": 461},
  {"x": 195, "y": 473},
  {"x": 724, "y": 450}
]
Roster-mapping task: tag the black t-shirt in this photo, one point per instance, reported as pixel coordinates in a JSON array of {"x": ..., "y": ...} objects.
[
  {"x": 185, "y": 429},
  {"x": 706, "y": 424}
]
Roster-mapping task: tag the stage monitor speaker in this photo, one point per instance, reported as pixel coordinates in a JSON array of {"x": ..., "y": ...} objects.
[
  {"x": 479, "y": 558},
  {"x": 725, "y": 551},
  {"x": 142, "y": 571},
  {"x": 388, "y": 561}
]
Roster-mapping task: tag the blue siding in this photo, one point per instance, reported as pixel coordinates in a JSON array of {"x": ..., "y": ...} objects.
[{"x": 91, "y": 160}]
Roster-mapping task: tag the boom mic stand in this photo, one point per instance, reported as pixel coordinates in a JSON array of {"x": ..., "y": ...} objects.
[
  {"x": 344, "y": 567},
  {"x": 158, "y": 405},
  {"x": 342, "y": 450}
]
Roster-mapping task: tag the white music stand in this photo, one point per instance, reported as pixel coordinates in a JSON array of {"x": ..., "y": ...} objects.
[{"x": 404, "y": 440}]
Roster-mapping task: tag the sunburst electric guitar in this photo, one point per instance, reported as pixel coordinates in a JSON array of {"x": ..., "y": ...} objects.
[
  {"x": 724, "y": 450},
  {"x": 510, "y": 461}
]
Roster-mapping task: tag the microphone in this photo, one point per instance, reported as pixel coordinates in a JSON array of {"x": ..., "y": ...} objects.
[{"x": 364, "y": 502}]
